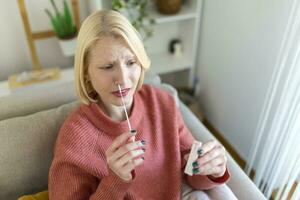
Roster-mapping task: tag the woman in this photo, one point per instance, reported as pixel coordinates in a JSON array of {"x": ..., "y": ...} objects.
[{"x": 96, "y": 156}]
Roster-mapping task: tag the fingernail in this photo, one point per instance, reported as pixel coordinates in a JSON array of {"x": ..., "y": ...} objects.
[
  {"x": 200, "y": 151},
  {"x": 143, "y": 149},
  {"x": 143, "y": 158},
  {"x": 143, "y": 142},
  {"x": 195, "y": 170},
  {"x": 195, "y": 164},
  {"x": 133, "y": 131}
]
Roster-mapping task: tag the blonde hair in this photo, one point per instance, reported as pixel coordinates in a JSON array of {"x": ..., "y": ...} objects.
[{"x": 99, "y": 24}]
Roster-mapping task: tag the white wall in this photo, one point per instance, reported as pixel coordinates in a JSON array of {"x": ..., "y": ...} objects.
[
  {"x": 14, "y": 51},
  {"x": 238, "y": 49}
]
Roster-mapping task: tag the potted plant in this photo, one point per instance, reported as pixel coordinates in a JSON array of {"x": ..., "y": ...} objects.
[
  {"x": 64, "y": 27},
  {"x": 136, "y": 12}
]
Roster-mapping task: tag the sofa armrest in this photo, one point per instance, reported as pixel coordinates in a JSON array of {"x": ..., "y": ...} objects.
[{"x": 240, "y": 184}]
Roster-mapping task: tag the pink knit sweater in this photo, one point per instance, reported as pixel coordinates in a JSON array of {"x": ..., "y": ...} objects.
[{"x": 79, "y": 169}]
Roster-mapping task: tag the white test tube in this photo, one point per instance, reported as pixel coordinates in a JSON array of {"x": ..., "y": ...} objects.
[{"x": 192, "y": 158}]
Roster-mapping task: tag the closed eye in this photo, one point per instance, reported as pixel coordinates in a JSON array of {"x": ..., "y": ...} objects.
[
  {"x": 109, "y": 66},
  {"x": 131, "y": 62}
]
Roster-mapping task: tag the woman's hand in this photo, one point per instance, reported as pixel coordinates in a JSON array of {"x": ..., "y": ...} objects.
[
  {"x": 212, "y": 160},
  {"x": 124, "y": 155}
]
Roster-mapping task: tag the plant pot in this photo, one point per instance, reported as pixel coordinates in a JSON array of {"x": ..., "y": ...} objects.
[
  {"x": 168, "y": 6},
  {"x": 68, "y": 46}
]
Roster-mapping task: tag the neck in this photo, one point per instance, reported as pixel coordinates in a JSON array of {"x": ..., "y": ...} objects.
[{"x": 116, "y": 113}]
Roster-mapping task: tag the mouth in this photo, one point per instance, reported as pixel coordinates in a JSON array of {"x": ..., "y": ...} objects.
[{"x": 123, "y": 92}]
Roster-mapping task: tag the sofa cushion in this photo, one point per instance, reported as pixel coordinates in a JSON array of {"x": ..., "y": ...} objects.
[
  {"x": 39, "y": 196},
  {"x": 26, "y": 102},
  {"x": 151, "y": 78},
  {"x": 27, "y": 150},
  {"x": 35, "y": 134},
  {"x": 31, "y": 101}
]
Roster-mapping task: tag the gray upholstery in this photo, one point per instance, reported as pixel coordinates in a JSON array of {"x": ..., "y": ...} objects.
[
  {"x": 27, "y": 149},
  {"x": 27, "y": 139},
  {"x": 26, "y": 101},
  {"x": 239, "y": 183},
  {"x": 31, "y": 101}
]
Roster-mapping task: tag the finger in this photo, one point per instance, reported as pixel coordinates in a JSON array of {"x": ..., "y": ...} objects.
[
  {"x": 120, "y": 140},
  {"x": 215, "y": 170},
  {"x": 219, "y": 170},
  {"x": 129, "y": 156},
  {"x": 206, "y": 147},
  {"x": 186, "y": 156},
  {"x": 126, "y": 148},
  {"x": 133, "y": 164},
  {"x": 209, "y": 156},
  {"x": 131, "y": 139},
  {"x": 213, "y": 163}
]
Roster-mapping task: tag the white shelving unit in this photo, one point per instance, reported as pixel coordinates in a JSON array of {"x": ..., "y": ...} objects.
[
  {"x": 184, "y": 26},
  {"x": 187, "y": 11}
]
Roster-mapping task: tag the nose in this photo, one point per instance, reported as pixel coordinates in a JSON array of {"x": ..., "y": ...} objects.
[{"x": 121, "y": 75}]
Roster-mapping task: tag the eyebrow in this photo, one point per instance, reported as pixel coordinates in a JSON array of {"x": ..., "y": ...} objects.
[
  {"x": 128, "y": 57},
  {"x": 101, "y": 62}
]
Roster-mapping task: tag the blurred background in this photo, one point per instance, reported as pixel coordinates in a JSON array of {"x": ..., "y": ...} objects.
[{"x": 234, "y": 63}]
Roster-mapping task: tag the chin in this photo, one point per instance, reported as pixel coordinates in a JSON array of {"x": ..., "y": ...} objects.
[
  {"x": 127, "y": 101},
  {"x": 118, "y": 101}
]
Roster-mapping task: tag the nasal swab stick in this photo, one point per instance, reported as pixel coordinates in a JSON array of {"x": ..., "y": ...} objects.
[{"x": 124, "y": 107}]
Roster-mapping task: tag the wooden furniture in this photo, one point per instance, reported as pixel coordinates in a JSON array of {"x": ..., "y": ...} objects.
[
  {"x": 64, "y": 76},
  {"x": 33, "y": 36},
  {"x": 37, "y": 75}
]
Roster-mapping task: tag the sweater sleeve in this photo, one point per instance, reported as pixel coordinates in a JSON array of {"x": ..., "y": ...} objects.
[
  {"x": 186, "y": 140},
  {"x": 68, "y": 182},
  {"x": 72, "y": 172},
  {"x": 111, "y": 187}
]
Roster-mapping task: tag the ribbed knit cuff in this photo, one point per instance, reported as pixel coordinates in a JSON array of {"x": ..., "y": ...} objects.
[
  {"x": 117, "y": 181},
  {"x": 113, "y": 187}
]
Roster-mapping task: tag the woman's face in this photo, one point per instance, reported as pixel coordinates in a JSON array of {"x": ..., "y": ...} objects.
[{"x": 111, "y": 62}]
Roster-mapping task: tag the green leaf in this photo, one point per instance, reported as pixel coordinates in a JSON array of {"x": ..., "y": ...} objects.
[
  {"x": 54, "y": 6},
  {"x": 55, "y": 25},
  {"x": 62, "y": 22},
  {"x": 68, "y": 19},
  {"x": 143, "y": 22}
]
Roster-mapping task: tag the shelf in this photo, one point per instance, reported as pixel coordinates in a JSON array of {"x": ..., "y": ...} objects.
[
  {"x": 186, "y": 12},
  {"x": 66, "y": 76},
  {"x": 163, "y": 63}
]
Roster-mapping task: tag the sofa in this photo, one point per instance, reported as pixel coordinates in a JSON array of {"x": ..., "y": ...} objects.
[{"x": 29, "y": 124}]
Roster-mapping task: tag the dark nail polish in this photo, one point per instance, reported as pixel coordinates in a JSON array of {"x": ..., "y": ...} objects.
[
  {"x": 195, "y": 170},
  {"x": 143, "y": 142},
  {"x": 195, "y": 164},
  {"x": 200, "y": 151},
  {"x": 143, "y": 149},
  {"x": 143, "y": 158},
  {"x": 133, "y": 131}
]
